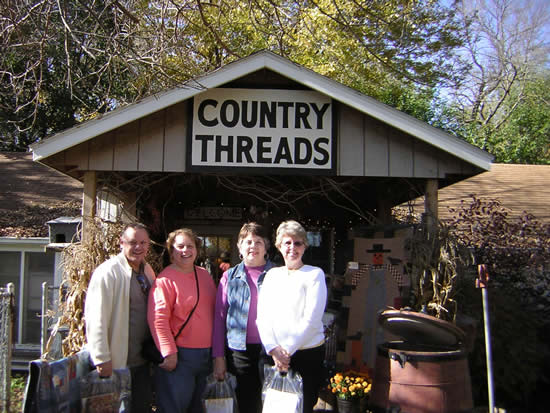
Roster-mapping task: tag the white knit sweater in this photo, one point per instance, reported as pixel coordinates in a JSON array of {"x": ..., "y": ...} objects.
[{"x": 290, "y": 308}]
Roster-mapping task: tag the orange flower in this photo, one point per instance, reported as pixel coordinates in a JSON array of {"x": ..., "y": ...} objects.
[{"x": 350, "y": 386}]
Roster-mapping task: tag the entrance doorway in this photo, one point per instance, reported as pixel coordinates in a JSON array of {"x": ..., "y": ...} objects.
[{"x": 212, "y": 250}]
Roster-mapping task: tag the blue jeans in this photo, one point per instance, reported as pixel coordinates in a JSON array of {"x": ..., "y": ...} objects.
[{"x": 180, "y": 390}]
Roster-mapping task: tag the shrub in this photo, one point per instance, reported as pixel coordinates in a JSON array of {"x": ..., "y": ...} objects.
[
  {"x": 517, "y": 253},
  {"x": 18, "y": 383}
]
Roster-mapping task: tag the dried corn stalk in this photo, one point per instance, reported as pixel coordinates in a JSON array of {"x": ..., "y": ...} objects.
[{"x": 436, "y": 257}]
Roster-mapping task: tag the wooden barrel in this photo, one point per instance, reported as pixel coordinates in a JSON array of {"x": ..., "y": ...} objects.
[
  {"x": 426, "y": 372},
  {"x": 421, "y": 380}
]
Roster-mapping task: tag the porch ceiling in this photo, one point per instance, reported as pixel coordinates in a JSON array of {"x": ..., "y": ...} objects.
[{"x": 332, "y": 201}]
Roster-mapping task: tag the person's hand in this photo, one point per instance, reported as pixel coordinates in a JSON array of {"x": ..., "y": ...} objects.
[
  {"x": 169, "y": 362},
  {"x": 281, "y": 357},
  {"x": 105, "y": 369},
  {"x": 219, "y": 368}
]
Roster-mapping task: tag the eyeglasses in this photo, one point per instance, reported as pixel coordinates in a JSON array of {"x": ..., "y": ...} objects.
[
  {"x": 143, "y": 283},
  {"x": 134, "y": 244},
  {"x": 298, "y": 244}
]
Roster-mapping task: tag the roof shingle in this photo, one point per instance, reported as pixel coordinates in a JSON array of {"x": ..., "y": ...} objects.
[
  {"x": 519, "y": 188},
  {"x": 32, "y": 194}
]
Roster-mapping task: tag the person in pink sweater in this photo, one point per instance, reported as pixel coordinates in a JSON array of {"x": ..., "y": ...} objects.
[{"x": 181, "y": 292}]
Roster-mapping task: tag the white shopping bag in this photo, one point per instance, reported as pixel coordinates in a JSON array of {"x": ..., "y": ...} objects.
[
  {"x": 219, "y": 396},
  {"x": 279, "y": 401},
  {"x": 218, "y": 405},
  {"x": 282, "y": 392}
]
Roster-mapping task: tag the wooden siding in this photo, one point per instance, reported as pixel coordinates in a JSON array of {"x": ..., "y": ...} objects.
[
  {"x": 350, "y": 155},
  {"x": 364, "y": 147},
  {"x": 368, "y": 147},
  {"x": 101, "y": 152},
  {"x": 126, "y": 148},
  {"x": 156, "y": 143},
  {"x": 175, "y": 138}
]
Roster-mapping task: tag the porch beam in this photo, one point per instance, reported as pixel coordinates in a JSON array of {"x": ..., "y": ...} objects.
[
  {"x": 88, "y": 201},
  {"x": 431, "y": 203}
]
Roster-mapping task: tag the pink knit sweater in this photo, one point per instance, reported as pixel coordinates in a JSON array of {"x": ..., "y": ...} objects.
[{"x": 171, "y": 299}]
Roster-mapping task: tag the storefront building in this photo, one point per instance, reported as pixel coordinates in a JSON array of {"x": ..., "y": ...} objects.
[{"x": 261, "y": 139}]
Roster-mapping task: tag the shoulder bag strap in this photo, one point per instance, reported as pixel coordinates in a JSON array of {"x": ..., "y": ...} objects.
[{"x": 195, "y": 306}]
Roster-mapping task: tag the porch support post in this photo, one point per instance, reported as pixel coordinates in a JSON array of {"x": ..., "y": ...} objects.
[
  {"x": 430, "y": 204},
  {"x": 88, "y": 201}
]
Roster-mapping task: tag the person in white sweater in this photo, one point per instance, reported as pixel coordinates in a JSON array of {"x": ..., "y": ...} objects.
[
  {"x": 115, "y": 312},
  {"x": 291, "y": 304}
]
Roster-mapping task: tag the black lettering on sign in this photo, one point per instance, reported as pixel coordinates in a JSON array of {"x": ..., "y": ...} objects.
[
  {"x": 203, "y": 139},
  {"x": 268, "y": 112},
  {"x": 283, "y": 152},
  {"x": 263, "y": 148},
  {"x": 230, "y": 119},
  {"x": 319, "y": 149},
  {"x": 249, "y": 123},
  {"x": 286, "y": 106},
  {"x": 300, "y": 115},
  {"x": 244, "y": 146},
  {"x": 202, "y": 106},
  {"x": 320, "y": 113},
  {"x": 224, "y": 148},
  {"x": 302, "y": 157},
  {"x": 262, "y": 114}
]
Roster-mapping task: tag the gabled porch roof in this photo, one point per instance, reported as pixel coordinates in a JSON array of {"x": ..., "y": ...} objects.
[{"x": 243, "y": 67}]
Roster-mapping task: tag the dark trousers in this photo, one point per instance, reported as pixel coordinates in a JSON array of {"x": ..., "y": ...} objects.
[
  {"x": 142, "y": 388},
  {"x": 247, "y": 366},
  {"x": 310, "y": 364}
]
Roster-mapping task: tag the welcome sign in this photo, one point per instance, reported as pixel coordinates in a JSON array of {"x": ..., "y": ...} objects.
[{"x": 261, "y": 128}]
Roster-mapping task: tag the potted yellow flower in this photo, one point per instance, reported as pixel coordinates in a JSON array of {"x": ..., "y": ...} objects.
[{"x": 351, "y": 391}]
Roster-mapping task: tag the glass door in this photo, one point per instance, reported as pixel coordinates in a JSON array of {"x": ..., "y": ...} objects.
[
  {"x": 38, "y": 269},
  {"x": 214, "y": 249}
]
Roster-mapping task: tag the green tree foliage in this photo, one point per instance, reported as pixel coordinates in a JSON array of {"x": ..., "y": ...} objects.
[
  {"x": 525, "y": 137},
  {"x": 66, "y": 61},
  {"x": 61, "y": 64},
  {"x": 407, "y": 40}
]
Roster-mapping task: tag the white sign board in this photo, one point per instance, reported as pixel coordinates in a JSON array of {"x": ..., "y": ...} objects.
[{"x": 262, "y": 128}]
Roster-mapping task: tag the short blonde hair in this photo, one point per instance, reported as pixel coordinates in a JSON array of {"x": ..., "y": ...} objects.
[
  {"x": 293, "y": 229},
  {"x": 182, "y": 231}
]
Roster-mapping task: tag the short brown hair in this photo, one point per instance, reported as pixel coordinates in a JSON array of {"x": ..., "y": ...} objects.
[
  {"x": 182, "y": 231},
  {"x": 135, "y": 226},
  {"x": 256, "y": 229}
]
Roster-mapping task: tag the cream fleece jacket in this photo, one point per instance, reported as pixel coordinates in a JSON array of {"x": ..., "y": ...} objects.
[{"x": 106, "y": 311}]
